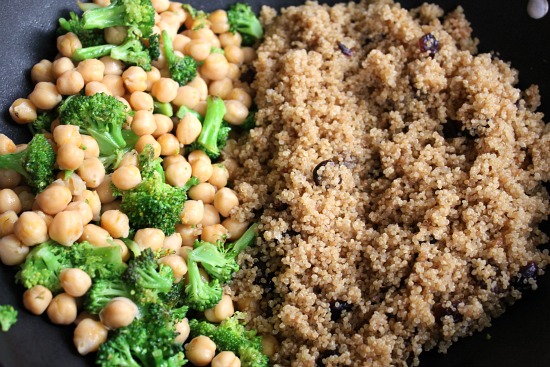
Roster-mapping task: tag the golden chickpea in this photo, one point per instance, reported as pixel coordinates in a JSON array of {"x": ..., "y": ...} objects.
[
  {"x": 204, "y": 192},
  {"x": 178, "y": 174},
  {"x": 188, "y": 129},
  {"x": 74, "y": 183},
  {"x": 61, "y": 66},
  {"x": 6, "y": 145},
  {"x": 42, "y": 72},
  {"x": 141, "y": 101},
  {"x": 215, "y": 67},
  {"x": 169, "y": 144},
  {"x": 119, "y": 312},
  {"x": 270, "y": 345},
  {"x": 66, "y": 228},
  {"x": 220, "y": 88},
  {"x": 188, "y": 236},
  {"x": 214, "y": 233},
  {"x": 143, "y": 123},
  {"x": 70, "y": 82},
  {"x": 152, "y": 238},
  {"x": 124, "y": 251},
  {"x": 226, "y": 359},
  {"x": 89, "y": 334},
  {"x": 236, "y": 112},
  {"x": 160, "y": 5},
  {"x": 68, "y": 43},
  {"x": 37, "y": 299},
  {"x": 177, "y": 264},
  {"x": 165, "y": 90},
  {"x": 54, "y": 199},
  {"x": 75, "y": 282},
  {"x": 92, "y": 172},
  {"x": 172, "y": 242},
  {"x": 219, "y": 20},
  {"x": 235, "y": 229},
  {"x": 200, "y": 351},
  {"x": 9, "y": 201},
  {"x": 230, "y": 38},
  {"x": 45, "y": 217},
  {"x": 239, "y": 94},
  {"x": 179, "y": 42},
  {"x": 7, "y": 222},
  {"x": 152, "y": 76},
  {"x": 23, "y": 111},
  {"x": 126, "y": 177},
  {"x": 112, "y": 66},
  {"x": 96, "y": 87},
  {"x": 148, "y": 140},
  {"x": 225, "y": 200},
  {"x": 233, "y": 72},
  {"x": 45, "y": 96},
  {"x": 220, "y": 176},
  {"x": 69, "y": 157},
  {"x": 210, "y": 216},
  {"x": 177, "y": 9},
  {"x": 163, "y": 123},
  {"x": 198, "y": 49},
  {"x": 170, "y": 18},
  {"x": 129, "y": 159},
  {"x": 102, "y": 3},
  {"x": 202, "y": 170},
  {"x": 135, "y": 79},
  {"x": 62, "y": 309},
  {"x": 192, "y": 213},
  {"x": 9, "y": 178},
  {"x": 249, "y": 54},
  {"x": 183, "y": 330},
  {"x": 187, "y": 96},
  {"x": 115, "y": 84},
  {"x": 84, "y": 211},
  {"x": 96, "y": 235},
  {"x": 92, "y": 70},
  {"x": 234, "y": 54},
  {"x": 184, "y": 251},
  {"x": 172, "y": 159},
  {"x": 116, "y": 223},
  {"x": 92, "y": 199},
  {"x": 115, "y": 35},
  {"x": 247, "y": 304},
  {"x": 89, "y": 146},
  {"x": 67, "y": 134},
  {"x": 12, "y": 250},
  {"x": 199, "y": 84}
]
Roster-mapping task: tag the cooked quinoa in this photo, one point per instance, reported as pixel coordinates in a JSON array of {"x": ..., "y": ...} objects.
[{"x": 396, "y": 176}]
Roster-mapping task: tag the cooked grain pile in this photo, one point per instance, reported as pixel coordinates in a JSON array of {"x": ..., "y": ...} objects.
[{"x": 397, "y": 183}]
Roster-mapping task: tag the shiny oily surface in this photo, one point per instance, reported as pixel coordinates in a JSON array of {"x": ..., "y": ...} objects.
[{"x": 519, "y": 337}]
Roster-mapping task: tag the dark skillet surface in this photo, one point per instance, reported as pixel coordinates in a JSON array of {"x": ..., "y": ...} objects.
[{"x": 521, "y": 337}]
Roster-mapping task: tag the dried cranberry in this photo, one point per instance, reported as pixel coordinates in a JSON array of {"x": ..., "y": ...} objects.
[
  {"x": 428, "y": 43},
  {"x": 318, "y": 178},
  {"x": 527, "y": 272},
  {"x": 337, "y": 308},
  {"x": 345, "y": 50},
  {"x": 441, "y": 311}
]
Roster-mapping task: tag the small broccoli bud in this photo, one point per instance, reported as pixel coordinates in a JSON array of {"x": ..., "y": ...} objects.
[{"x": 8, "y": 317}]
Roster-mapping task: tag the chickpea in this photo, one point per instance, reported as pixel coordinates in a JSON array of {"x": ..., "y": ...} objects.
[
  {"x": 226, "y": 359},
  {"x": 220, "y": 88},
  {"x": 192, "y": 213},
  {"x": 112, "y": 66},
  {"x": 31, "y": 229},
  {"x": 188, "y": 236},
  {"x": 70, "y": 82},
  {"x": 68, "y": 43},
  {"x": 214, "y": 233},
  {"x": 230, "y": 38},
  {"x": 148, "y": 140},
  {"x": 153, "y": 75},
  {"x": 96, "y": 87},
  {"x": 171, "y": 18},
  {"x": 172, "y": 242},
  {"x": 129, "y": 159},
  {"x": 124, "y": 251},
  {"x": 188, "y": 129},
  {"x": 198, "y": 155},
  {"x": 172, "y": 159},
  {"x": 116, "y": 223},
  {"x": 75, "y": 282},
  {"x": 84, "y": 211},
  {"x": 187, "y": 96},
  {"x": 198, "y": 49},
  {"x": 45, "y": 217},
  {"x": 177, "y": 264},
  {"x": 115, "y": 35},
  {"x": 102, "y": 3},
  {"x": 236, "y": 112},
  {"x": 23, "y": 111},
  {"x": 149, "y": 237},
  {"x": 233, "y": 72},
  {"x": 115, "y": 205},
  {"x": 7, "y": 222},
  {"x": 54, "y": 199},
  {"x": 179, "y": 42},
  {"x": 6, "y": 145},
  {"x": 225, "y": 200},
  {"x": 269, "y": 345},
  {"x": 184, "y": 251},
  {"x": 89, "y": 334},
  {"x": 219, "y": 20},
  {"x": 96, "y": 235},
  {"x": 235, "y": 229},
  {"x": 183, "y": 330},
  {"x": 204, "y": 192},
  {"x": 119, "y": 312},
  {"x": 160, "y": 5},
  {"x": 89, "y": 146},
  {"x": 220, "y": 176},
  {"x": 234, "y": 54},
  {"x": 215, "y": 67},
  {"x": 45, "y": 96},
  {"x": 202, "y": 170},
  {"x": 92, "y": 199},
  {"x": 169, "y": 144},
  {"x": 66, "y": 227},
  {"x": 143, "y": 123},
  {"x": 199, "y": 84},
  {"x": 92, "y": 70},
  {"x": 247, "y": 304},
  {"x": 9, "y": 201},
  {"x": 69, "y": 157},
  {"x": 223, "y": 310},
  {"x": 200, "y": 350},
  {"x": 126, "y": 177},
  {"x": 165, "y": 90},
  {"x": 164, "y": 124},
  {"x": 92, "y": 172},
  {"x": 141, "y": 101},
  {"x": 9, "y": 178},
  {"x": 135, "y": 79},
  {"x": 115, "y": 84},
  {"x": 37, "y": 299},
  {"x": 178, "y": 174},
  {"x": 177, "y": 9},
  {"x": 61, "y": 66},
  {"x": 67, "y": 134},
  {"x": 12, "y": 250},
  {"x": 62, "y": 309},
  {"x": 211, "y": 216},
  {"x": 239, "y": 94},
  {"x": 26, "y": 197},
  {"x": 249, "y": 54},
  {"x": 42, "y": 72}
]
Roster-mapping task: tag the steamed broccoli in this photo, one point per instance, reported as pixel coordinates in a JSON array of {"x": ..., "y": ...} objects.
[
  {"x": 103, "y": 290},
  {"x": 146, "y": 342},
  {"x": 154, "y": 203},
  {"x": 43, "y": 122},
  {"x": 88, "y": 37},
  {"x": 130, "y": 13},
  {"x": 215, "y": 131},
  {"x": 8, "y": 317},
  {"x": 184, "y": 110},
  {"x": 220, "y": 261},
  {"x": 154, "y": 47},
  {"x": 35, "y": 163},
  {"x": 250, "y": 121},
  {"x": 231, "y": 335},
  {"x": 182, "y": 69},
  {"x": 164, "y": 108},
  {"x": 243, "y": 20},
  {"x": 200, "y": 294}
]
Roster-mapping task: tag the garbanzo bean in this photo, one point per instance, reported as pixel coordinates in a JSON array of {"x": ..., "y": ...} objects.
[
  {"x": 210, "y": 216},
  {"x": 230, "y": 39},
  {"x": 67, "y": 134},
  {"x": 140, "y": 100},
  {"x": 45, "y": 96},
  {"x": 115, "y": 84},
  {"x": 96, "y": 87},
  {"x": 226, "y": 359},
  {"x": 84, "y": 211},
  {"x": 220, "y": 88},
  {"x": 236, "y": 112},
  {"x": 172, "y": 242},
  {"x": 54, "y": 199},
  {"x": 214, "y": 233},
  {"x": 204, "y": 192},
  {"x": 89, "y": 146},
  {"x": 152, "y": 238},
  {"x": 119, "y": 312},
  {"x": 105, "y": 191},
  {"x": 225, "y": 200},
  {"x": 9, "y": 178},
  {"x": 234, "y": 54},
  {"x": 66, "y": 228},
  {"x": 189, "y": 128},
  {"x": 215, "y": 67},
  {"x": 69, "y": 157},
  {"x": 220, "y": 175},
  {"x": 169, "y": 144},
  {"x": 177, "y": 174},
  {"x": 75, "y": 282},
  {"x": 68, "y": 43},
  {"x": 143, "y": 123},
  {"x": 165, "y": 90},
  {"x": 202, "y": 170},
  {"x": 198, "y": 49},
  {"x": 177, "y": 264},
  {"x": 223, "y": 310},
  {"x": 92, "y": 172},
  {"x": 200, "y": 350},
  {"x": 235, "y": 229},
  {"x": 96, "y": 235},
  {"x": 112, "y": 66},
  {"x": 197, "y": 155},
  {"x": 183, "y": 330},
  {"x": 152, "y": 76},
  {"x": 9, "y": 201},
  {"x": 7, "y": 222},
  {"x": 239, "y": 94},
  {"x": 179, "y": 42},
  {"x": 116, "y": 223},
  {"x": 270, "y": 345},
  {"x": 23, "y": 111},
  {"x": 129, "y": 159},
  {"x": 249, "y": 54},
  {"x": 115, "y": 35},
  {"x": 199, "y": 84},
  {"x": 92, "y": 199},
  {"x": 233, "y": 72},
  {"x": 164, "y": 124},
  {"x": 61, "y": 66},
  {"x": 12, "y": 250},
  {"x": 92, "y": 70},
  {"x": 6, "y": 145},
  {"x": 148, "y": 140},
  {"x": 126, "y": 177},
  {"x": 62, "y": 309},
  {"x": 124, "y": 251},
  {"x": 172, "y": 159},
  {"x": 70, "y": 82},
  {"x": 42, "y": 72},
  {"x": 192, "y": 213},
  {"x": 188, "y": 235},
  {"x": 135, "y": 79},
  {"x": 187, "y": 96},
  {"x": 37, "y": 299},
  {"x": 219, "y": 21},
  {"x": 89, "y": 334}
]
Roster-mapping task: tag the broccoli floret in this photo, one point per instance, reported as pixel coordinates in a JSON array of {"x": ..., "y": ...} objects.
[
  {"x": 102, "y": 291},
  {"x": 250, "y": 121},
  {"x": 88, "y": 37},
  {"x": 199, "y": 16},
  {"x": 184, "y": 110},
  {"x": 154, "y": 47},
  {"x": 147, "y": 341},
  {"x": 43, "y": 122},
  {"x": 8, "y": 317},
  {"x": 231, "y": 335},
  {"x": 243, "y": 20},
  {"x": 220, "y": 261},
  {"x": 182, "y": 69},
  {"x": 215, "y": 131},
  {"x": 35, "y": 163},
  {"x": 98, "y": 262},
  {"x": 154, "y": 203},
  {"x": 130, "y": 13},
  {"x": 200, "y": 294},
  {"x": 163, "y": 108}
]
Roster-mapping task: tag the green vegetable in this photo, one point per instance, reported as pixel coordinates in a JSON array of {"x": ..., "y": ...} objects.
[
  {"x": 35, "y": 163},
  {"x": 130, "y": 13},
  {"x": 200, "y": 294},
  {"x": 243, "y": 20},
  {"x": 8, "y": 317},
  {"x": 163, "y": 108},
  {"x": 215, "y": 132},
  {"x": 88, "y": 37},
  {"x": 182, "y": 69},
  {"x": 43, "y": 122}
]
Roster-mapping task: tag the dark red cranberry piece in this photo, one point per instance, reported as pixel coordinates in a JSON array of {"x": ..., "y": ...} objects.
[
  {"x": 428, "y": 43},
  {"x": 345, "y": 50},
  {"x": 526, "y": 272}
]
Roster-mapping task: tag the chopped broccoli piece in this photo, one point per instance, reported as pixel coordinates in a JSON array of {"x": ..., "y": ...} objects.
[
  {"x": 217, "y": 50},
  {"x": 88, "y": 37},
  {"x": 200, "y": 294},
  {"x": 243, "y": 20},
  {"x": 43, "y": 122},
  {"x": 231, "y": 335},
  {"x": 103, "y": 290},
  {"x": 250, "y": 121},
  {"x": 182, "y": 69},
  {"x": 199, "y": 16},
  {"x": 8, "y": 317},
  {"x": 183, "y": 110},
  {"x": 130, "y": 13},
  {"x": 154, "y": 47},
  {"x": 35, "y": 163},
  {"x": 215, "y": 131},
  {"x": 163, "y": 108},
  {"x": 92, "y": 52}
]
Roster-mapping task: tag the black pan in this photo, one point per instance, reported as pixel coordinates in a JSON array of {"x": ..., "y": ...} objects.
[{"x": 521, "y": 337}]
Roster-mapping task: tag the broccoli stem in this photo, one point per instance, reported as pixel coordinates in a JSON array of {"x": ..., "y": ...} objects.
[
  {"x": 93, "y": 52},
  {"x": 163, "y": 108},
  {"x": 244, "y": 241},
  {"x": 215, "y": 110},
  {"x": 100, "y": 18},
  {"x": 183, "y": 110},
  {"x": 168, "y": 47}
]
